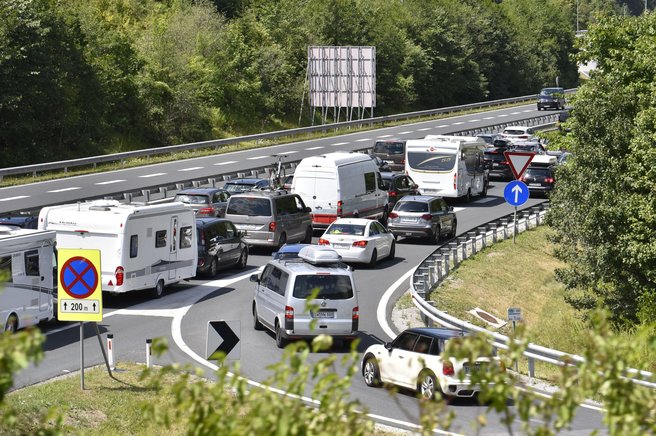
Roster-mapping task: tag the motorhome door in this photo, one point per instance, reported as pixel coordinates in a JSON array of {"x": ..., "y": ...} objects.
[{"x": 173, "y": 250}]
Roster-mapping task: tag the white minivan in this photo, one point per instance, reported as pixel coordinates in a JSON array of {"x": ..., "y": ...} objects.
[{"x": 341, "y": 184}]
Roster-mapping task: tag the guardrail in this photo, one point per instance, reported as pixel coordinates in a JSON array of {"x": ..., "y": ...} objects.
[
  {"x": 437, "y": 266},
  {"x": 217, "y": 143}
]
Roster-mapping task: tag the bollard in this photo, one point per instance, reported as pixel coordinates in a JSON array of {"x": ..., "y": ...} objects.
[
  {"x": 212, "y": 182},
  {"x": 195, "y": 183},
  {"x": 226, "y": 177},
  {"x": 163, "y": 190},
  {"x": 128, "y": 197},
  {"x": 110, "y": 351},
  {"x": 179, "y": 186},
  {"x": 149, "y": 344},
  {"x": 146, "y": 194}
]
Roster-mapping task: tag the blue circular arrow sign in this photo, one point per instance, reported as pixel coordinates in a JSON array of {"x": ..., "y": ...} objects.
[{"x": 516, "y": 193}]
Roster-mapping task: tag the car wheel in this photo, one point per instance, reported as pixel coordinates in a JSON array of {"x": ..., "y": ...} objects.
[
  {"x": 243, "y": 259},
  {"x": 468, "y": 196},
  {"x": 374, "y": 258},
  {"x": 383, "y": 219},
  {"x": 484, "y": 191},
  {"x": 257, "y": 325},
  {"x": 427, "y": 385},
  {"x": 12, "y": 324},
  {"x": 283, "y": 240},
  {"x": 280, "y": 341},
  {"x": 308, "y": 236},
  {"x": 158, "y": 290},
  {"x": 437, "y": 235},
  {"x": 214, "y": 267},
  {"x": 371, "y": 373},
  {"x": 392, "y": 251}
]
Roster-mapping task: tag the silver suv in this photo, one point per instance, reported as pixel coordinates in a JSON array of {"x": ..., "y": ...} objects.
[
  {"x": 422, "y": 216},
  {"x": 307, "y": 296},
  {"x": 270, "y": 218}
]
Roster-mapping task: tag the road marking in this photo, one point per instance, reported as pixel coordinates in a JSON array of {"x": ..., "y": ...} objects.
[
  {"x": 424, "y": 129},
  {"x": 18, "y": 197},
  {"x": 258, "y": 157},
  {"x": 381, "y": 311},
  {"x": 384, "y": 136},
  {"x": 290, "y": 152},
  {"x": 405, "y": 133},
  {"x": 474, "y": 121},
  {"x": 191, "y": 169},
  {"x": 458, "y": 123},
  {"x": 489, "y": 118},
  {"x": 361, "y": 140},
  {"x": 503, "y": 115},
  {"x": 314, "y": 148},
  {"x": 515, "y": 113},
  {"x": 66, "y": 189},
  {"x": 528, "y": 110},
  {"x": 441, "y": 126},
  {"x": 152, "y": 175},
  {"x": 226, "y": 163},
  {"x": 110, "y": 182},
  {"x": 344, "y": 143}
]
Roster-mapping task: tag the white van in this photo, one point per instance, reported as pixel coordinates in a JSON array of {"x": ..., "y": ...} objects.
[
  {"x": 27, "y": 291},
  {"x": 283, "y": 291},
  {"x": 341, "y": 184},
  {"x": 141, "y": 246}
]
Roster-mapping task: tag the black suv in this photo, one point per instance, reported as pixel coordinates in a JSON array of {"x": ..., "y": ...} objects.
[
  {"x": 495, "y": 160},
  {"x": 551, "y": 98},
  {"x": 540, "y": 179},
  {"x": 220, "y": 245},
  {"x": 397, "y": 186}
]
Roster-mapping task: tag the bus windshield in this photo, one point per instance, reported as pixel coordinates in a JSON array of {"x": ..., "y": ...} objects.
[{"x": 426, "y": 161}]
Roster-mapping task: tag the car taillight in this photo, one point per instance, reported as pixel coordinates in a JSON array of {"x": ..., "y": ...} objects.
[
  {"x": 324, "y": 241},
  {"x": 119, "y": 273},
  {"x": 427, "y": 217},
  {"x": 272, "y": 226},
  {"x": 447, "y": 368},
  {"x": 355, "y": 314},
  {"x": 392, "y": 193},
  {"x": 393, "y": 215},
  {"x": 206, "y": 211},
  {"x": 549, "y": 180},
  {"x": 505, "y": 162},
  {"x": 339, "y": 207},
  {"x": 289, "y": 312},
  {"x": 360, "y": 244}
]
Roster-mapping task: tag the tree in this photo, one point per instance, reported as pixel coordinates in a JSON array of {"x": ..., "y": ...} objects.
[{"x": 603, "y": 209}]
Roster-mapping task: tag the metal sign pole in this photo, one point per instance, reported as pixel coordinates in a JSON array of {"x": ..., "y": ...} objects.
[
  {"x": 516, "y": 361},
  {"x": 82, "y": 355},
  {"x": 515, "y": 231}
]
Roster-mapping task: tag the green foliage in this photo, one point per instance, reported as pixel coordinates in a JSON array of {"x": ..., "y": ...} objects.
[{"x": 604, "y": 207}]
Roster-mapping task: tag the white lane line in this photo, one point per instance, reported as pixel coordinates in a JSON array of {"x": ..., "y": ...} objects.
[
  {"x": 314, "y": 148},
  {"x": 489, "y": 118},
  {"x": 441, "y": 126},
  {"x": 18, "y": 197},
  {"x": 363, "y": 140},
  {"x": 458, "y": 123},
  {"x": 405, "y": 133},
  {"x": 474, "y": 121},
  {"x": 66, "y": 189},
  {"x": 145, "y": 176},
  {"x": 259, "y": 157},
  {"x": 424, "y": 129},
  {"x": 384, "y": 136},
  {"x": 109, "y": 182},
  {"x": 528, "y": 110},
  {"x": 191, "y": 169},
  {"x": 289, "y": 152},
  {"x": 515, "y": 113},
  {"x": 503, "y": 115},
  {"x": 226, "y": 163},
  {"x": 342, "y": 143}
]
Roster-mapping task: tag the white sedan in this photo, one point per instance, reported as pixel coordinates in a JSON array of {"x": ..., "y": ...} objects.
[{"x": 359, "y": 240}]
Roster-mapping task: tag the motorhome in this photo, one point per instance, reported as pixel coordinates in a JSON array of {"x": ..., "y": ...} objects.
[
  {"x": 141, "y": 246},
  {"x": 28, "y": 277},
  {"x": 340, "y": 184},
  {"x": 447, "y": 166}
]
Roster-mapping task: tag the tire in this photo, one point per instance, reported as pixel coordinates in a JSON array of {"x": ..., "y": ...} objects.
[
  {"x": 392, "y": 251},
  {"x": 484, "y": 191},
  {"x": 243, "y": 259},
  {"x": 308, "y": 236},
  {"x": 280, "y": 341},
  {"x": 427, "y": 386},
  {"x": 257, "y": 325},
  {"x": 283, "y": 240},
  {"x": 158, "y": 290},
  {"x": 437, "y": 235},
  {"x": 468, "y": 196},
  {"x": 214, "y": 267},
  {"x": 12, "y": 324},
  {"x": 371, "y": 373},
  {"x": 383, "y": 219},
  {"x": 374, "y": 259}
]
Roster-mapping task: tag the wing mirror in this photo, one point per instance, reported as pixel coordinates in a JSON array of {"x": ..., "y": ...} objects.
[
  {"x": 254, "y": 278},
  {"x": 388, "y": 346}
]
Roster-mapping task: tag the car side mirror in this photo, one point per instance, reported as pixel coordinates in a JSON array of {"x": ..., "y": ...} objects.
[
  {"x": 254, "y": 278},
  {"x": 388, "y": 346},
  {"x": 307, "y": 209}
]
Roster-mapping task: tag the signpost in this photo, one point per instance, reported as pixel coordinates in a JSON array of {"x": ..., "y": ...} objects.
[
  {"x": 223, "y": 340},
  {"x": 514, "y": 314},
  {"x": 516, "y": 192},
  {"x": 79, "y": 297}
]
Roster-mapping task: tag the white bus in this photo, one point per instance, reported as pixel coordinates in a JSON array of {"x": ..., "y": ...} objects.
[
  {"x": 447, "y": 166},
  {"x": 28, "y": 271}
]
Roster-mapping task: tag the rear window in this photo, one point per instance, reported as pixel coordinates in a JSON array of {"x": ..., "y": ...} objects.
[
  {"x": 411, "y": 206},
  {"x": 431, "y": 161},
  {"x": 514, "y": 132},
  {"x": 249, "y": 206},
  {"x": 192, "y": 199},
  {"x": 331, "y": 287},
  {"x": 346, "y": 229},
  {"x": 389, "y": 147},
  {"x": 238, "y": 187},
  {"x": 540, "y": 172}
]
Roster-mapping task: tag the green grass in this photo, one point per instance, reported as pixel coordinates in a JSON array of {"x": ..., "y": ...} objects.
[{"x": 521, "y": 275}]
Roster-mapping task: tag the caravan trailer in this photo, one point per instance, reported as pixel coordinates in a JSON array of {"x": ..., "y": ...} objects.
[
  {"x": 28, "y": 285},
  {"x": 141, "y": 246}
]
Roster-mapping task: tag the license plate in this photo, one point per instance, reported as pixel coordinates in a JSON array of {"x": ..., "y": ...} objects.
[
  {"x": 341, "y": 245},
  {"x": 431, "y": 190},
  {"x": 535, "y": 184},
  {"x": 248, "y": 226},
  {"x": 408, "y": 220},
  {"x": 323, "y": 314}
]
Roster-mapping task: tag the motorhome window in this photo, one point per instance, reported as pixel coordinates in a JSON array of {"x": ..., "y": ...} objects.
[
  {"x": 5, "y": 268},
  {"x": 425, "y": 161},
  {"x": 411, "y": 206},
  {"x": 370, "y": 182},
  {"x": 251, "y": 206},
  {"x": 331, "y": 287},
  {"x": 134, "y": 246},
  {"x": 32, "y": 263},
  {"x": 346, "y": 229},
  {"x": 160, "y": 238},
  {"x": 185, "y": 240}
]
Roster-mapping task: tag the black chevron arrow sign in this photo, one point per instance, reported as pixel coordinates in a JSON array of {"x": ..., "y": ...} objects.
[{"x": 223, "y": 340}]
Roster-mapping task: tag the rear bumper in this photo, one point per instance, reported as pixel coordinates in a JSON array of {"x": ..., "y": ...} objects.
[{"x": 410, "y": 231}]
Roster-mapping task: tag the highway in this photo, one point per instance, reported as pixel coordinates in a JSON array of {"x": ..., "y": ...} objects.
[{"x": 181, "y": 316}]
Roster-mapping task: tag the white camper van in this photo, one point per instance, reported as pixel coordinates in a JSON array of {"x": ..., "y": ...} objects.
[
  {"x": 141, "y": 246},
  {"x": 27, "y": 264},
  {"x": 447, "y": 166},
  {"x": 340, "y": 184}
]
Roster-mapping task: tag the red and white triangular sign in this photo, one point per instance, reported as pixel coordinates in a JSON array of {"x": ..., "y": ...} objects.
[{"x": 518, "y": 161}]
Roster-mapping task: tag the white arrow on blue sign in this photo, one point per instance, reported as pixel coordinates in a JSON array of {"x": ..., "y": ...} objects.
[{"x": 516, "y": 193}]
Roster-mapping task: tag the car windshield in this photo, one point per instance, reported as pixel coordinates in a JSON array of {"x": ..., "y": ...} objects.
[
  {"x": 329, "y": 286},
  {"x": 346, "y": 229},
  {"x": 249, "y": 206},
  {"x": 192, "y": 199},
  {"x": 411, "y": 206},
  {"x": 550, "y": 91},
  {"x": 431, "y": 161}
]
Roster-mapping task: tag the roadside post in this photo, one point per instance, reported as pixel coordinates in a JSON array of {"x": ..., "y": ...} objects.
[
  {"x": 516, "y": 192},
  {"x": 514, "y": 315}
]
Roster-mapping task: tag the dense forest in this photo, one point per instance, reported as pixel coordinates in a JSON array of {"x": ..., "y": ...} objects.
[{"x": 80, "y": 78}]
